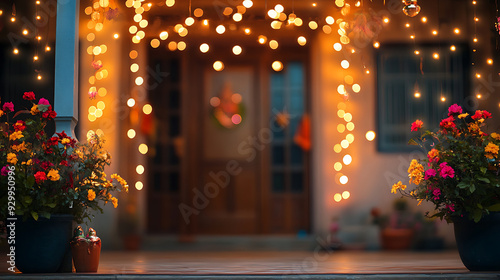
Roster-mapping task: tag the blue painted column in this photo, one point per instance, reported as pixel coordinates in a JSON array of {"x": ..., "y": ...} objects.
[{"x": 66, "y": 70}]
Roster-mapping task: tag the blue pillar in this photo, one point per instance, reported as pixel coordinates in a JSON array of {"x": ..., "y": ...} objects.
[{"x": 66, "y": 70}]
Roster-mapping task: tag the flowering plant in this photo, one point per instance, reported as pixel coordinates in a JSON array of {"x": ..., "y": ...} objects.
[
  {"x": 43, "y": 175},
  {"x": 460, "y": 173}
]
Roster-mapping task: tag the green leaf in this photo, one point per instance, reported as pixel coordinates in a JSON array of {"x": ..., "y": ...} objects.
[
  {"x": 45, "y": 215},
  {"x": 30, "y": 181},
  {"x": 472, "y": 188},
  {"x": 483, "y": 170},
  {"x": 43, "y": 108},
  {"x": 52, "y": 205},
  {"x": 494, "y": 208},
  {"x": 412, "y": 142},
  {"x": 479, "y": 206},
  {"x": 34, "y": 215},
  {"x": 463, "y": 185},
  {"x": 486, "y": 180},
  {"x": 477, "y": 215},
  {"x": 27, "y": 200}
]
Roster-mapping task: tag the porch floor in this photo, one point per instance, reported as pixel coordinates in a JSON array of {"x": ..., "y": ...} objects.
[{"x": 274, "y": 265}]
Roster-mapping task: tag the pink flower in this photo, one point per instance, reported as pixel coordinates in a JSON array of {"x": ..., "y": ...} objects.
[
  {"x": 454, "y": 109},
  {"x": 29, "y": 95},
  {"x": 417, "y": 125},
  {"x": 5, "y": 171},
  {"x": 429, "y": 173},
  {"x": 43, "y": 101},
  {"x": 8, "y": 107},
  {"x": 446, "y": 171},
  {"x": 436, "y": 192},
  {"x": 451, "y": 207}
]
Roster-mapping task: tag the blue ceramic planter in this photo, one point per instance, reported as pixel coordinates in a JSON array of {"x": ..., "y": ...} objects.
[
  {"x": 43, "y": 246},
  {"x": 479, "y": 243}
]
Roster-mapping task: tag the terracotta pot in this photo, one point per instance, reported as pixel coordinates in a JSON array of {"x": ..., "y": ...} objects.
[
  {"x": 86, "y": 255},
  {"x": 397, "y": 239}
]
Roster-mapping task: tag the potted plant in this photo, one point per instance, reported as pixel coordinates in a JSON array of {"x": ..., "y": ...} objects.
[
  {"x": 52, "y": 181},
  {"x": 459, "y": 175},
  {"x": 397, "y": 228}
]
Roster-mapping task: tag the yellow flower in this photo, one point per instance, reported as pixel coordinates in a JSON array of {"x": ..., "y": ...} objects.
[
  {"x": 1, "y": 113},
  {"x": 419, "y": 201},
  {"x": 29, "y": 162},
  {"x": 53, "y": 175},
  {"x": 473, "y": 127},
  {"x": 462, "y": 116},
  {"x": 20, "y": 147},
  {"x": 397, "y": 186},
  {"x": 65, "y": 141},
  {"x": 119, "y": 179},
  {"x": 34, "y": 110},
  {"x": 495, "y": 136},
  {"x": 91, "y": 195},
  {"x": 11, "y": 158},
  {"x": 114, "y": 200},
  {"x": 415, "y": 171},
  {"x": 491, "y": 150},
  {"x": 16, "y": 135},
  {"x": 126, "y": 188}
]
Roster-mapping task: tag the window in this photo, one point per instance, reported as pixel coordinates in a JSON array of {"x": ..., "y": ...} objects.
[
  {"x": 413, "y": 87},
  {"x": 287, "y": 158}
]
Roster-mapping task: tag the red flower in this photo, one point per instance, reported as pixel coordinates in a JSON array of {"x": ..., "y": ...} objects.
[
  {"x": 29, "y": 95},
  {"x": 40, "y": 176},
  {"x": 49, "y": 114},
  {"x": 477, "y": 115},
  {"x": 52, "y": 141},
  {"x": 447, "y": 123},
  {"x": 486, "y": 114},
  {"x": 417, "y": 125},
  {"x": 46, "y": 164},
  {"x": 64, "y": 162},
  {"x": 19, "y": 126}
]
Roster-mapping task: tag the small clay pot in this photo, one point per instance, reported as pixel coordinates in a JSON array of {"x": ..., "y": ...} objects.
[{"x": 86, "y": 255}]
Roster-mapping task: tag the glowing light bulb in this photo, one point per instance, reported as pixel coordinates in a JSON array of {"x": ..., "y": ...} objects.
[
  {"x": 343, "y": 179},
  {"x": 116, "y": 35},
  {"x": 131, "y": 102},
  {"x": 443, "y": 99},
  {"x": 139, "y": 185},
  {"x": 417, "y": 52},
  {"x": 139, "y": 169},
  {"x": 376, "y": 45},
  {"x": 277, "y": 66},
  {"x": 453, "y": 48},
  {"x": 479, "y": 96},
  {"x": 489, "y": 61},
  {"x": 35, "y": 57},
  {"x": 15, "y": 51},
  {"x": 131, "y": 133},
  {"x": 346, "y": 195},
  {"x": 143, "y": 149},
  {"x": 237, "y": 50},
  {"x": 434, "y": 32},
  {"x": 344, "y": 64},
  {"x": 337, "y": 197},
  {"x": 218, "y": 66},
  {"x": 347, "y": 159},
  {"x": 386, "y": 20},
  {"x": 370, "y": 135},
  {"x": 424, "y": 19},
  {"x": 435, "y": 56},
  {"x": 204, "y": 47},
  {"x": 417, "y": 94},
  {"x": 456, "y": 31},
  {"x": 220, "y": 29}
]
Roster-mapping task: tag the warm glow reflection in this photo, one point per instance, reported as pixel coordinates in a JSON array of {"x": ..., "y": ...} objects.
[
  {"x": 341, "y": 128},
  {"x": 218, "y": 65},
  {"x": 131, "y": 102},
  {"x": 346, "y": 195},
  {"x": 337, "y": 197},
  {"x": 277, "y": 66},
  {"x": 139, "y": 185},
  {"x": 337, "y": 148}
]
